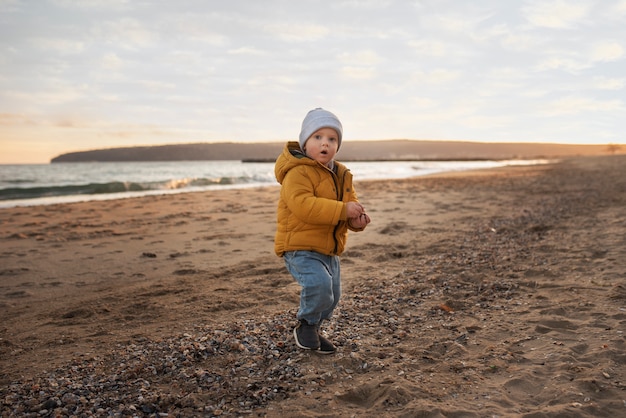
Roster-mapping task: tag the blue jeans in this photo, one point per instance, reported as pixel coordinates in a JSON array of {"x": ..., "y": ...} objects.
[{"x": 319, "y": 276}]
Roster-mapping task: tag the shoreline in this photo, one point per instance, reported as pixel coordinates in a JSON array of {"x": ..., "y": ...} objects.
[
  {"x": 497, "y": 291},
  {"x": 99, "y": 191}
]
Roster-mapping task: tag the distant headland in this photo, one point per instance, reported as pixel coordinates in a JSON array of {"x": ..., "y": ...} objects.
[{"x": 387, "y": 150}]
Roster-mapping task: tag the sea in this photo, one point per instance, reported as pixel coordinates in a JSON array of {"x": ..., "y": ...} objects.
[{"x": 47, "y": 184}]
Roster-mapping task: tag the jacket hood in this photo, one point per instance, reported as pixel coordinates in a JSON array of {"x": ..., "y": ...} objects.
[{"x": 290, "y": 157}]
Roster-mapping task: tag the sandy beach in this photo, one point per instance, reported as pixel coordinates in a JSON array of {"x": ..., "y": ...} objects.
[{"x": 495, "y": 293}]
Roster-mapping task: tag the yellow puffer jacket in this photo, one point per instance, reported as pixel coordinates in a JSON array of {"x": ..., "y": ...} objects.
[{"x": 312, "y": 207}]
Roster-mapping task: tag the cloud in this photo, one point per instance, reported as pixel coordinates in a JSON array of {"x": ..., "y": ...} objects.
[
  {"x": 9, "y": 6},
  {"x": 360, "y": 4},
  {"x": 359, "y": 65},
  {"x": 55, "y": 95},
  {"x": 111, "y": 62},
  {"x": 358, "y": 73},
  {"x": 157, "y": 86},
  {"x": 605, "y": 83},
  {"x": 618, "y": 10},
  {"x": 12, "y": 119},
  {"x": 94, "y": 4},
  {"x": 456, "y": 24},
  {"x": 364, "y": 57},
  {"x": 486, "y": 121},
  {"x": 431, "y": 47},
  {"x": 573, "y": 105},
  {"x": 59, "y": 45},
  {"x": 127, "y": 33},
  {"x": 293, "y": 32},
  {"x": 520, "y": 41},
  {"x": 246, "y": 50},
  {"x": 607, "y": 51},
  {"x": 583, "y": 58},
  {"x": 204, "y": 28},
  {"x": 436, "y": 76},
  {"x": 567, "y": 64},
  {"x": 557, "y": 14}
]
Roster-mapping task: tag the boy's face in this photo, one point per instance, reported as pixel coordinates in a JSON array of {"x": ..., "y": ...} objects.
[{"x": 322, "y": 145}]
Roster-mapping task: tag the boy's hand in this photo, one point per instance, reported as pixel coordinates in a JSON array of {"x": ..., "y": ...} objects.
[
  {"x": 360, "y": 221},
  {"x": 354, "y": 209}
]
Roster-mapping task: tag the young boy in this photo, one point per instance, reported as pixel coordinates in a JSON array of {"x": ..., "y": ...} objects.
[{"x": 316, "y": 208}]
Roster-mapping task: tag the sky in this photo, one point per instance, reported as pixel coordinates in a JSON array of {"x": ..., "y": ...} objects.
[{"x": 88, "y": 74}]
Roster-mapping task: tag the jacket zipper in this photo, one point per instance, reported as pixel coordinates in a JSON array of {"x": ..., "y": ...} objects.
[{"x": 340, "y": 199}]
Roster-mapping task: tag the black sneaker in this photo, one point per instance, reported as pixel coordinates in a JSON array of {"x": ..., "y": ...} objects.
[
  {"x": 306, "y": 336},
  {"x": 326, "y": 347}
]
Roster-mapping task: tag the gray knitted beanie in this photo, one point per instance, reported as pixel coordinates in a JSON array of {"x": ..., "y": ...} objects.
[{"x": 318, "y": 119}]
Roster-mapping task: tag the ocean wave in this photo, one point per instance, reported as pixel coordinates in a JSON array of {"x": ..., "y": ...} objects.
[{"x": 20, "y": 193}]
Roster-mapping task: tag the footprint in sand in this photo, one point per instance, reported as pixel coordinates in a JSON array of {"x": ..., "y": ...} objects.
[
  {"x": 387, "y": 392},
  {"x": 17, "y": 294},
  {"x": 523, "y": 390},
  {"x": 559, "y": 325}
]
